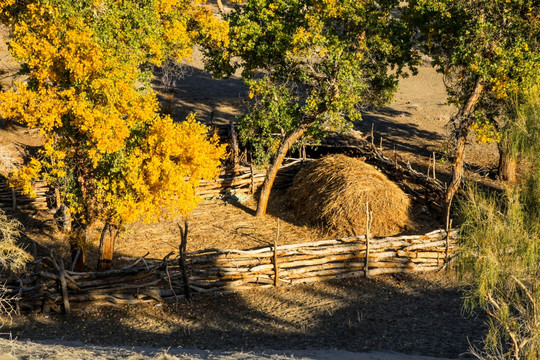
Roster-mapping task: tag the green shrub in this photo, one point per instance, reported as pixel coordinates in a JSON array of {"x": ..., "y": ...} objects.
[
  {"x": 500, "y": 248},
  {"x": 500, "y": 257}
]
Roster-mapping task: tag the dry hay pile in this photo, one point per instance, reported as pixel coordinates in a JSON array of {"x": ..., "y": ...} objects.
[{"x": 332, "y": 192}]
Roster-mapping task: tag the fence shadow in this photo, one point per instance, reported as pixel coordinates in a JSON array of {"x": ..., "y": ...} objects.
[{"x": 405, "y": 313}]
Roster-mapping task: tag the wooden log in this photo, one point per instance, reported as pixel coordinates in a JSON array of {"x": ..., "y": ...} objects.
[
  {"x": 427, "y": 244},
  {"x": 107, "y": 274},
  {"x": 117, "y": 299},
  {"x": 229, "y": 284},
  {"x": 423, "y": 254},
  {"x": 286, "y": 264},
  {"x": 26, "y": 207},
  {"x": 275, "y": 258},
  {"x": 226, "y": 264},
  {"x": 63, "y": 284},
  {"x": 322, "y": 268},
  {"x": 120, "y": 288},
  {"x": 335, "y": 275}
]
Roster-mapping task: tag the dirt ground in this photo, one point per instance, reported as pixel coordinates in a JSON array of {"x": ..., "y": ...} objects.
[
  {"x": 418, "y": 314},
  {"x": 414, "y": 314}
]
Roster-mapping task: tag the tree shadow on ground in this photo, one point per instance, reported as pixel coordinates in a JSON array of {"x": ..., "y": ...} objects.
[
  {"x": 403, "y": 137},
  {"x": 412, "y": 314},
  {"x": 214, "y": 101}
]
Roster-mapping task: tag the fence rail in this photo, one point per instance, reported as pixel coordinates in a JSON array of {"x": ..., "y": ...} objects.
[
  {"x": 12, "y": 199},
  {"x": 50, "y": 286}
]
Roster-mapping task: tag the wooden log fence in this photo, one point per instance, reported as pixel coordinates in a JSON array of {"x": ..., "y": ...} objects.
[
  {"x": 239, "y": 179},
  {"x": 12, "y": 199},
  {"x": 246, "y": 179},
  {"x": 49, "y": 286}
]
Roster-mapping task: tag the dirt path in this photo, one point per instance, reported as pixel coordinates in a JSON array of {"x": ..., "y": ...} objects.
[{"x": 65, "y": 350}]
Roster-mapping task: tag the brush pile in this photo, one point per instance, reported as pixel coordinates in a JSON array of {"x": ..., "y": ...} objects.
[{"x": 332, "y": 192}]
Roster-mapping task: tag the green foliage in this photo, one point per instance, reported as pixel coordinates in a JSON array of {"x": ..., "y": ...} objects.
[
  {"x": 314, "y": 64},
  {"x": 522, "y": 128},
  {"x": 500, "y": 254},
  {"x": 496, "y": 41}
]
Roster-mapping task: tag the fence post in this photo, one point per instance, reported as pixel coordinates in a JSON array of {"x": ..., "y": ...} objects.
[
  {"x": 14, "y": 197},
  {"x": 252, "y": 184},
  {"x": 369, "y": 219},
  {"x": 276, "y": 267},
  {"x": 182, "y": 258},
  {"x": 448, "y": 229}
]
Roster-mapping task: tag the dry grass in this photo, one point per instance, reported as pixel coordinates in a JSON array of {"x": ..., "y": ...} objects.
[
  {"x": 12, "y": 258},
  {"x": 7, "y": 306},
  {"x": 333, "y": 191}
]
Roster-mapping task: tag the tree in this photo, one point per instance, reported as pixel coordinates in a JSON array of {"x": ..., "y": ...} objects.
[
  {"x": 500, "y": 247},
  {"x": 311, "y": 67},
  {"x": 105, "y": 143},
  {"x": 487, "y": 50}
]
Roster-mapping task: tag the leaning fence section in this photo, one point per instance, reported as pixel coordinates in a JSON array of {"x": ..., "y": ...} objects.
[{"x": 49, "y": 285}]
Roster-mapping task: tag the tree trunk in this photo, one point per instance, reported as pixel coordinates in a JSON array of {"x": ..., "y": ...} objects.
[
  {"x": 507, "y": 164},
  {"x": 77, "y": 243},
  {"x": 276, "y": 163},
  {"x": 465, "y": 120},
  {"x": 106, "y": 246},
  {"x": 182, "y": 259},
  {"x": 233, "y": 143}
]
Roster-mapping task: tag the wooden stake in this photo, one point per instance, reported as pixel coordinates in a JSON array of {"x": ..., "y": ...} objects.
[
  {"x": 434, "y": 165},
  {"x": 63, "y": 284},
  {"x": 106, "y": 246},
  {"x": 182, "y": 259},
  {"x": 369, "y": 215},
  {"x": 14, "y": 197},
  {"x": 395, "y": 159},
  {"x": 380, "y": 145},
  {"x": 252, "y": 184},
  {"x": 372, "y": 139},
  {"x": 233, "y": 143},
  {"x": 220, "y": 6},
  {"x": 276, "y": 265},
  {"x": 448, "y": 228},
  {"x": 57, "y": 197}
]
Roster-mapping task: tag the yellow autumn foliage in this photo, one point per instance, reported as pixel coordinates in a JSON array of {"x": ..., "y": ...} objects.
[{"x": 88, "y": 93}]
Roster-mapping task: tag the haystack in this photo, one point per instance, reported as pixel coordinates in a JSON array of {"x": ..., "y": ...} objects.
[{"x": 332, "y": 192}]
